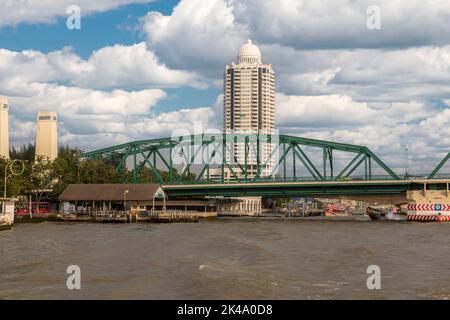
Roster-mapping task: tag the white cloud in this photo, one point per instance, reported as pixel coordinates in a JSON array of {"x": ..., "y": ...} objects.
[
  {"x": 120, "y": 66},
  {"x": 73, "y": 101},
  {"x": 82, "y": 112},
  {"x": 199, "y": 35},
  {"x": 365, "y": 74},
  {"x": 110, "y": 67},
  {"x": 316, "y": 47},
  {"x": 385, "y": 129},
  {"x": 104, "y": 99},
  {"x": 13, "y": 12},
  {"x": 336, "y": 79},
  {"x": 334, "y": 111},
  {"x": 206, "y": 35},
  {"x": 166, "y": 123},
  {"x": 327, "y": 24}
]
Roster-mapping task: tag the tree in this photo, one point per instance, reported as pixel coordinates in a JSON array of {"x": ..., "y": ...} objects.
[
  {"x": 71, "y": 168},
  {"x": 26, "y": 153},
  {"x": 43, "y": 177}
]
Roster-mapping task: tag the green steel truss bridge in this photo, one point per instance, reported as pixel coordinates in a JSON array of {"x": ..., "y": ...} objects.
[{"x": 208, "y": 164}]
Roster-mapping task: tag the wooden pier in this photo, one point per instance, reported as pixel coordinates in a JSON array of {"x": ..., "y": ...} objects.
[{"x": 167, "y": 216}]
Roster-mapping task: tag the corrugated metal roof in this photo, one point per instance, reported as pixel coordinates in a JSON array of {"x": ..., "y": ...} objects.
[{"x": 109, "y": 192}]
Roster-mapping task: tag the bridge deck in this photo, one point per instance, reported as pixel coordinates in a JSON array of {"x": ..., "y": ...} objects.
[{"x": 309, "y": 188}]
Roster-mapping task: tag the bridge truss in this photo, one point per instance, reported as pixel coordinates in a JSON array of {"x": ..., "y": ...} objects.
[
  {"x": 212, "y": 158},
  {"x": 435, "y": 172}
]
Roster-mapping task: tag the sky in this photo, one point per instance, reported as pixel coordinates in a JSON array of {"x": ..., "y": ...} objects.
[{"x": 373, "y": 73}]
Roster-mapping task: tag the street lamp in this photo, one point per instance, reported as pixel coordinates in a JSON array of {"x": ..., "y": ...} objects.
[{"x": 10, "y": 165}]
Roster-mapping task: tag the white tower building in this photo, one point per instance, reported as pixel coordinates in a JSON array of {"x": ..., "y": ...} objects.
[
  {"x": 4, "y": 128},
  {"x": 47, "y": 135},
  {"x": 249, "y": 104}
]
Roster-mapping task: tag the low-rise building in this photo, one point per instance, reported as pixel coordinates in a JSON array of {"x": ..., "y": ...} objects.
[
  {"x": 86, "y": 198},
  {"x": 81, "y": 198}
]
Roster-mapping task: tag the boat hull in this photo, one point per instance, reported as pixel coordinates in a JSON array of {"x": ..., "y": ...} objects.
[{"x": 5, "y": 227}]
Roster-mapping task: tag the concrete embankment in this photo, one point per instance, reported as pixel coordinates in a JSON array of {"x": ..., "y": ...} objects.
[
  {"x": 172, "y": 216},
  {"x": 35, "y": 217}
]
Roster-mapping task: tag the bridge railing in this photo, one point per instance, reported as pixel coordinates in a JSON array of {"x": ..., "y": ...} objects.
[{"x": 287, "y": 179}]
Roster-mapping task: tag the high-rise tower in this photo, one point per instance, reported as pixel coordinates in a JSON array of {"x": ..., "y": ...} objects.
[
  {"x": 47, "y": 135},
  {"x": 249, "y": 93},
  {"x": 4, "y": 128},
  {"x": 249, "y": 102}
]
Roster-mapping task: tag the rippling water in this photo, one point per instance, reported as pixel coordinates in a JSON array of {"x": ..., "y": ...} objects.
[{"x": 226, "y": 259}]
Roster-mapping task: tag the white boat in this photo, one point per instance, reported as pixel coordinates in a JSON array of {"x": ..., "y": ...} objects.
[
  {"x": 428, "y": 212},
  {"x": 6, "y": 213}
]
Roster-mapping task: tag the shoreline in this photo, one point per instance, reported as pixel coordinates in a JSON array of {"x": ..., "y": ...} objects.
[{"x": 84, "y": 219}]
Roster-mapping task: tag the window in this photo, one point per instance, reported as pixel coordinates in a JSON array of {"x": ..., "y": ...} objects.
[
  {"x": 47, "y": 118},
  {"x": 5, "y": 106}
]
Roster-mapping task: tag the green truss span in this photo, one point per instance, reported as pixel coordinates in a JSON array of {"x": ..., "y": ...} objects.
[
  {"x": 174, "y": 160},
  {"x": 435, "y": 172}
]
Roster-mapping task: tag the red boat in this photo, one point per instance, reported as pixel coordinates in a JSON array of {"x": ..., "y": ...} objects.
[{"x": 336, "y": 210}]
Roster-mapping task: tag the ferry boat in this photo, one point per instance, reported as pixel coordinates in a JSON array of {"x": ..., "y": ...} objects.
[
  {"x": 429, "y": 212},
  {"x": 384, "y": 213}
]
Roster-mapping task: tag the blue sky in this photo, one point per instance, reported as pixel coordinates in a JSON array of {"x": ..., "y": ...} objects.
[
  {"x": 140, "y": 69},
  {"x": 99, "y": 30}
]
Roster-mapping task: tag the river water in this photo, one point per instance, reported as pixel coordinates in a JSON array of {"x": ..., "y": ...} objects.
[{"x": 226, "y": 259}]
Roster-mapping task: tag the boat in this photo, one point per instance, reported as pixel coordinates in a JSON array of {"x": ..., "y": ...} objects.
[
  {"x": 6, "y": 222},
  {"x": 337, "y": 210},
  {"x": 6, "y": 213},
  {"x": 428, "y": 212},
  {"x": 383, "y": 213}
]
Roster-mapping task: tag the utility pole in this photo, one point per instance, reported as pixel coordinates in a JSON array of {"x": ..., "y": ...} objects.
[{"x": 406, "y": 162}]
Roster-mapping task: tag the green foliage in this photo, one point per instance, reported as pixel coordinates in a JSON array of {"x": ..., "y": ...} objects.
[
  {"x": 282, "y": 202},
  {"x": 43, "y": 178},
  {"x": 70, "y": 168},
  {"x": 26, "y": 153}
]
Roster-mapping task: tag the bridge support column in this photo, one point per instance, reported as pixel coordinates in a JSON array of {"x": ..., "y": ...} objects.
[
  {"x": 429, "y": 196},
  {"x": 425, "y": 191}
]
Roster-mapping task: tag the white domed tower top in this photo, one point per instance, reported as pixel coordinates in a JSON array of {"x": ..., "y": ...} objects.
[{"x": 249, "y": 53}]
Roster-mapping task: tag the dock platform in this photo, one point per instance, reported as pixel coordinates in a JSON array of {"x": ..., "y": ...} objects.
[{"x": 167, "y": 216}]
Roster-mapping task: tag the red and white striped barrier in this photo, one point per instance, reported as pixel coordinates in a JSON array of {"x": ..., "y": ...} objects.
[
  {"x": 428, "y": 212},
  {"x": 428, "y": 207},
  {"x": 427, "y": 218}
]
